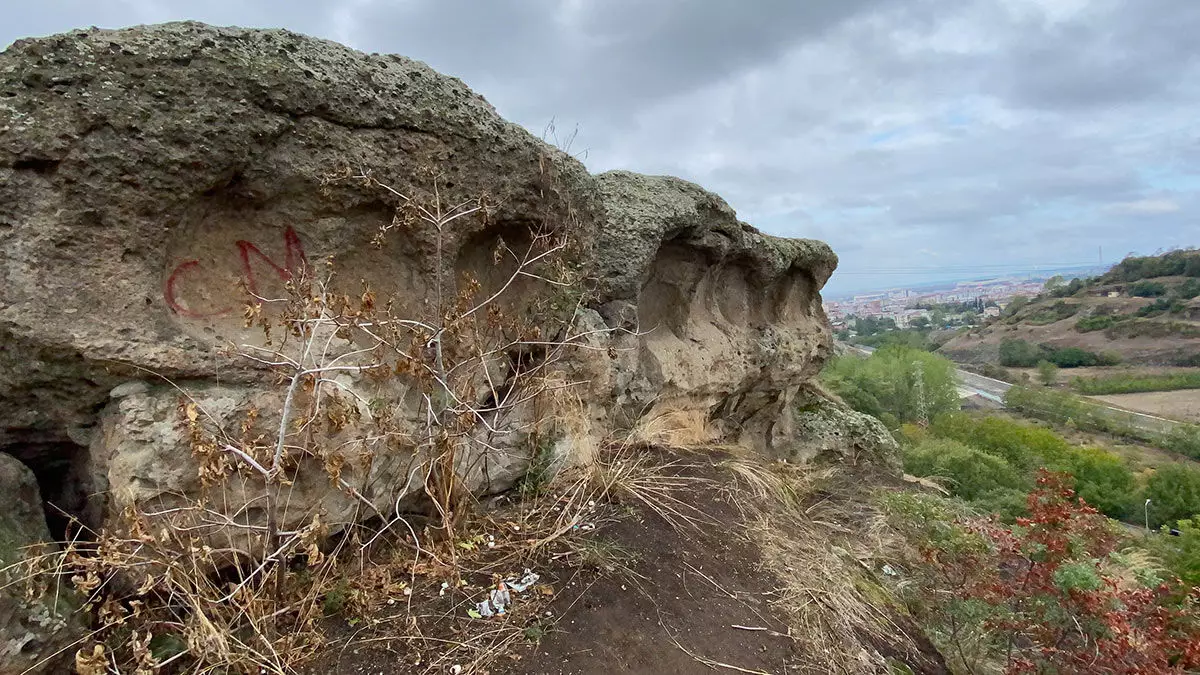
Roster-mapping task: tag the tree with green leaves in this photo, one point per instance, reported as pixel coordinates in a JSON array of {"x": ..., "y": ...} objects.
[
  {"x": 897, "y": 384},
  {"x": 1174, "y": 494},
  {"x": 1047, "y": 372}
]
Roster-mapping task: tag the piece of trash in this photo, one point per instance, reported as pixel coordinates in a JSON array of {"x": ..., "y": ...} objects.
[
  {"x": 890, "y": 571},
  {"x": 455, "y": 669},
  {"x": 445, "y": 587},
  {"x": 588, "y": 526},
  {"x": 500, "y": 598},
  {"x": 407, "y": 591},
  {"x": 523, "y": 584}
]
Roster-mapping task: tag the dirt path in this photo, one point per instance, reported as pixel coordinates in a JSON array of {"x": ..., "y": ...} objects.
[{"x": 681, "y": 590}]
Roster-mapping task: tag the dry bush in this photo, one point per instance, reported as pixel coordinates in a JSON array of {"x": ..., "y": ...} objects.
[{"x": 232, "y": 580}]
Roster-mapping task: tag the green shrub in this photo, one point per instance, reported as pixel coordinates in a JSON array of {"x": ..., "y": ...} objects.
[
  {"x": 1024, "y": 446},
  {"x": 1184, "y": 439},
  {"x": 1132, "y": 384},
  {"x": 1174, "y": 493},
  {"x": 895, "y": 384},
  {"x": 1016, "y": 353},
  {"x": 1052, "y": 313},
  {"x": 1093, "y": 323},
  {"x": 1101, "y": 477},
  {"x": 1097, "y": 322},
  {"x": 1184, "y": 262},
  {"x": 1151, "y": 328},
  {"x": 1015, "y": 305},
  {"x": 1159, "y": 306},
  {"x": 1188, "y": 289},
  {"x": 1180, "y": 554},
  {"x": 1064, "y": 408},
  {"x": 1073, "y": 357},
  {"x": 1068, "y": 289},
  {"x": 968, "y": 473},
  {"x": 1103, "y": 480},
  {"x": 1047, "y": 372},
  {"x": 1148, "y": 289}
]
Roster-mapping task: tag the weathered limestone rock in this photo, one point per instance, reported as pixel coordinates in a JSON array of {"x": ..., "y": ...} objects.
[
  {"x": 150, "y": 176},
  {"x": 731, "y": 319},
  {"x": 35, "y": 624},
  {"x": 827, "y": 430}
]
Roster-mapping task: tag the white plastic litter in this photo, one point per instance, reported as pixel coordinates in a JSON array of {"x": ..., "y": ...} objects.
[
  {"x": 500, "y": 597},
  {"x": 521, "y": 585}
]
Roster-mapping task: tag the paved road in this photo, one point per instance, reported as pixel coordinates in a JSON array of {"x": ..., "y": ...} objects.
[{"x": 971, "y": 384}]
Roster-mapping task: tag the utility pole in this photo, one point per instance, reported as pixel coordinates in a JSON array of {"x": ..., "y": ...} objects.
[
  {"x": 1147, "y": 507},
  {"x": 919, "y": 390}
]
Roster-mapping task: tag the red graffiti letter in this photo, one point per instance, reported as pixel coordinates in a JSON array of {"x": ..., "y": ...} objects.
[{"x": 294, "y": 260}]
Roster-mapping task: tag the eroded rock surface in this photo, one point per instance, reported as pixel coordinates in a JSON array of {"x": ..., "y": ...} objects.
[
  {"x": 149, "y": 177},
  {"x": 36, "y": 624}
]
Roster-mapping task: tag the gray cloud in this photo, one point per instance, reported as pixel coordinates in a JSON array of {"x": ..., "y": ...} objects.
[{"x": 940, "y": 134}]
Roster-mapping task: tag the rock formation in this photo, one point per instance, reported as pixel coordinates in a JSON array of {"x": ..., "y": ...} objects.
[
  {"x": 148, "y": 174},
  {"x": 34, "y": 627}
]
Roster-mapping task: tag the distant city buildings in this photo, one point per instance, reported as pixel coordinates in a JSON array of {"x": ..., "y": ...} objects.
[{"x": 900, "y": 305}]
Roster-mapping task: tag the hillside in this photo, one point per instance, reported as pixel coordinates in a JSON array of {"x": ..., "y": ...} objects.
[{"x": 1143, "y": 312}]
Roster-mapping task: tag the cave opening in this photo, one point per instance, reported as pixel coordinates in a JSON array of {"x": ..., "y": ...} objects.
[{"x": 59, "y": 467}]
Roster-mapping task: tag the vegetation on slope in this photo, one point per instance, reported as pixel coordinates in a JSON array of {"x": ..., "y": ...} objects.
[
  {"x": 1143, "y": 311},
  {"x": 1133, "y": 384},
  {"x": 1184, "y": 262},
  {"x": 896, "y": 384},
  {"x": 1017, "y": 353},
  {"x": 1053, "y": 593},
  {"x": 1016, "y": 568},
  {"x": 1064, "y": 408}
]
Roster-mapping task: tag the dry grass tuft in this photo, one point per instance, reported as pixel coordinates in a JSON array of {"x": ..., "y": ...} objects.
[
  {"x": 628, "y": 474},
  {"x": 823, "y": 541},
  {"x": 674, "y": 429}
]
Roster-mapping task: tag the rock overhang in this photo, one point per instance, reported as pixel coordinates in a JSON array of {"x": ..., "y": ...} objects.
[{"x": 147, "y": 172}]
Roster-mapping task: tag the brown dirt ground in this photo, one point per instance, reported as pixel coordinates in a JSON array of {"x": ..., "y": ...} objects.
[
  {"x": 1182, "y": 405},
  {"x": 636, "y": 595},
  {"x": 685, "y": 589}
]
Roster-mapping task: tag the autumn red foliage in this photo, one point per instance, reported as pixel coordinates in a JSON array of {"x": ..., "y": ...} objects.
[{"x": 1055, "y": 598}]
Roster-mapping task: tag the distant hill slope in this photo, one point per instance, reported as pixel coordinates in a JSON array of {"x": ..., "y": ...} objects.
[{"x": 1144, "y": 311}]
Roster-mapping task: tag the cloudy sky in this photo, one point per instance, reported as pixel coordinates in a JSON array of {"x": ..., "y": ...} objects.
[{"x": 921, "y": 138}]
